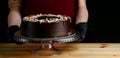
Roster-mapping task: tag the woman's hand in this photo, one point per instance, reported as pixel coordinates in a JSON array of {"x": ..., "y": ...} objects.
[{"x": 81, "y": 29}]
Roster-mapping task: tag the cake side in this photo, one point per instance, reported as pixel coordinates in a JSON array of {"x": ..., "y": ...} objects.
[{"x": 46, "y": 26}]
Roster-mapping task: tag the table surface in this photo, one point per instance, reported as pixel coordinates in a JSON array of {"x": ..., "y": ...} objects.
[{"x": 70, "y": 50}]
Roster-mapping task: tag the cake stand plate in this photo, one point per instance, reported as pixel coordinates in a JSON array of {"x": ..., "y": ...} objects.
[{"x": 46, "y": 48}]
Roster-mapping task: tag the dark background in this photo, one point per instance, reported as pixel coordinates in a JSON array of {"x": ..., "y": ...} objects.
[
  {"x": 103, "y": 24},
  {"x": 3, "y": 20}
]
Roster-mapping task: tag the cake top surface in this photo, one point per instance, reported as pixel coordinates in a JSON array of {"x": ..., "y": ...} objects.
[{"x": 46, "y": 18}]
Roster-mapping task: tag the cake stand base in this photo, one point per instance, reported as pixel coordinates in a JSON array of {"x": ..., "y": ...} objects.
[{"x": 46, "y": 50}]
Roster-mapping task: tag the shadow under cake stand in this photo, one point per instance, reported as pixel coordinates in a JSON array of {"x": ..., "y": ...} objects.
[{"x": 46, "y": 44}]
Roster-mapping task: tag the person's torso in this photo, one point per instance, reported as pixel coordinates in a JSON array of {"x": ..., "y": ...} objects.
[{"x": 62, "y": 7}]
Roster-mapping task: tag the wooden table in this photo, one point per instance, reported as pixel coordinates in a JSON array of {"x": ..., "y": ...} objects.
[{"x": 69, "y": 50}]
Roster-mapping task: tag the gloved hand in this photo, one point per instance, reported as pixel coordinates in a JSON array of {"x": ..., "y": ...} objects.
[
  {"x": 81, "y": 29},
  {"x": 11, "y": 31}
]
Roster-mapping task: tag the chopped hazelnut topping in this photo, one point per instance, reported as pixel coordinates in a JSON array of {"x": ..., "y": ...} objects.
[{"x": 46, "y": 18}]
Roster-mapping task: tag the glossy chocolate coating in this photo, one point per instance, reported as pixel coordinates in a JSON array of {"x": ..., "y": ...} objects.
[{"x": 46, "y": 30}]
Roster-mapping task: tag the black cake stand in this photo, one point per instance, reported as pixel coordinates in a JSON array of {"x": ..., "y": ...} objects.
[{"x": 46, "y": 44}]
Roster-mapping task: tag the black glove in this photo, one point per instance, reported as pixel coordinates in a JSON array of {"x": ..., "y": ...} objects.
[
  {"x": 81, "y": 29},
  {"x": 11, "y": 31}
]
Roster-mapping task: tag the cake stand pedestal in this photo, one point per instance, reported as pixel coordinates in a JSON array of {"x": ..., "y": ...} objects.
[
  {"x": 46, "y": 49},
  {"x": 46, "y": 44}
]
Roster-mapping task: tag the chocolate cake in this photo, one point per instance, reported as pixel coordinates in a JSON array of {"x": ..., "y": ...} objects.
[{"x": 46, "y": 26}]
